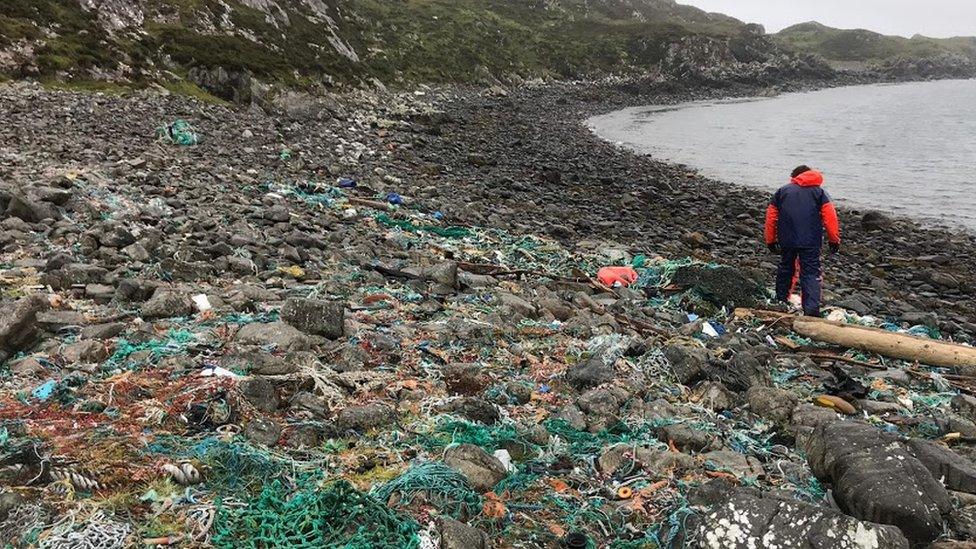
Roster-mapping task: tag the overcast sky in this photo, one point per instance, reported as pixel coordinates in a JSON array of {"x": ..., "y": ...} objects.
[{"x": 939, "y": 18}]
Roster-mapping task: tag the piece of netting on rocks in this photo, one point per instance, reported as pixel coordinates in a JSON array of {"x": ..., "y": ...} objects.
[
  {"x": 99, "y": 531},
  {"x": 173, "y": 343},
  {"x": 451, "y": 430},
  {"x": 585, "y": 443},
  {"x": 435, "y": 483},
  {"x": 446, "y": 232},
  {"x": 231, "y": 466},
  {"x": 23, "y": 524},
  {"x": 234, "y": 466},
  {"x": 335, "y": 516},
  {"x": 180, "y": 132}
]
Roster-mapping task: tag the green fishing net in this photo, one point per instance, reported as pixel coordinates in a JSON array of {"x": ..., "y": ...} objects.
[
  {"x": 179, "y": 133},
  {"x": 438, "y": 484},
  {"x": 336, "y": 516},
  {"x": 446, "y": 232},
  {"x": 175, "y": 342}
]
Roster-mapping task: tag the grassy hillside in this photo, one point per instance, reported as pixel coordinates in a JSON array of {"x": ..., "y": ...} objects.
[
  {"x": 345, "y": 40},
  {"x": 861, "y": 45}
]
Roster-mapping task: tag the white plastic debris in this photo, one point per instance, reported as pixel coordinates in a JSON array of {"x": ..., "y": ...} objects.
[
  {"x": 429, "y": 537},
  {"x": 202, "y": 303},
  {"x": 506, "y": 459},
  {"x": 709, "y": 330},
  {"x": 906, "y": 402},
  {"x": 217, "y": 371},
  {"x": 837, "y": 315}
]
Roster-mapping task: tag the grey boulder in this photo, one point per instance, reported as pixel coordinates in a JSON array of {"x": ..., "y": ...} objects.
[
  {"x": 315, "y": 316},
  {"x": 741, "y": 518},
  {"x": 875, "y": 477},
  {"x": 482, "y": 469}
]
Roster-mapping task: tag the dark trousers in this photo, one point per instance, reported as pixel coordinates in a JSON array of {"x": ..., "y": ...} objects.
[{"x": 811, "y": 277}]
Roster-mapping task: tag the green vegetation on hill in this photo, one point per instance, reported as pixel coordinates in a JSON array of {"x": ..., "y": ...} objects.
[
  {"x": 859, "y": 45},
  {"x": 401, "y": 42},
  {"x": 395, "y": 40}
]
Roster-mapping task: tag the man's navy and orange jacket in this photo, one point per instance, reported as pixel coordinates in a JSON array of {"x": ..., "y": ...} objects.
[{"x": 799, "y": 213}]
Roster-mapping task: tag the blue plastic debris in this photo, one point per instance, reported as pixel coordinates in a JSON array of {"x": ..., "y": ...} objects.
[
  {"x": 44, "y": 391},
  {"x": 544, "y": 388},
  {"x": 692, "y": 317},
  {"x": 395, "y": 199},
  {"x": 713, "y": 329},
  {"x": 346, "y": 183},
  {"x": 438, "y": 215}
]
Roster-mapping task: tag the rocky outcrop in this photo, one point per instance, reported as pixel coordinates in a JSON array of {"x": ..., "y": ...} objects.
[
  {"x": 876, "y": 477},
  {"x": 232, "y": 85},
  {"x": 741, "y": 518},
  {"x": 928, "y": 68},
  {"x": 749, "y": 57}
]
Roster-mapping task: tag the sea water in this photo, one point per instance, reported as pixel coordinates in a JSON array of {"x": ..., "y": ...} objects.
[{"x": 905, "y": 148}]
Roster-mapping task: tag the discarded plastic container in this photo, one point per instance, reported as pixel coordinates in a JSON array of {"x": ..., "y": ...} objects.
[{"x": 617, "y": 276}]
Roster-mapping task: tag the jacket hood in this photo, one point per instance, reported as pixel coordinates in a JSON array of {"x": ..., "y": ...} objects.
[{"x": 811, "y": 178}]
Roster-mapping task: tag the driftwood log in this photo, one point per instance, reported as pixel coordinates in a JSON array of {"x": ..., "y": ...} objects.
[{"x": 890, "y": 344}]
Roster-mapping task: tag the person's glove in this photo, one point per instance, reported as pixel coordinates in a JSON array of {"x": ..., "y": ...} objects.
[
  {"x": 834, "y": 247},
  {"x": 774, "y": 247}
]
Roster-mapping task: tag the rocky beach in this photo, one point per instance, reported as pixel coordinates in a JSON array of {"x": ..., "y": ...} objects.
[{"x": 371, "y": 320}]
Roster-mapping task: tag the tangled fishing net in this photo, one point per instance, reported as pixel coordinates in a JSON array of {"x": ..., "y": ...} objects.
[
  {"x": 438, "y": 484},
  {"x": 179, "y": 132},
  {"x": 446, "y": 232},
  {"x": 175, "y": 342},
  {"x": 98, "y": 532},
  {"x": 23, "y": 524},
  {"x": 336, "y": 516}
]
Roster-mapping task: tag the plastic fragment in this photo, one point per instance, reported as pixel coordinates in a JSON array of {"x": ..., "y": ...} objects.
[
  {"x": 202, "y": 303},
  {"x": 45, "y": 390},
  {"x": 837, "y": 403},
  {"x": 506, "y": 459}
]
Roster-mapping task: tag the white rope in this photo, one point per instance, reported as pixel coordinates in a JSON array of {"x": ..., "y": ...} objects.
[
  {"x": 183, "y": 473},
  {"x": 99, "y": 532}
]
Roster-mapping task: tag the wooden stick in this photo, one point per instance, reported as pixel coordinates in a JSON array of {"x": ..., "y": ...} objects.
[
  {"x": 823, "y": 356},
  {"x": 641, "y": 325}
]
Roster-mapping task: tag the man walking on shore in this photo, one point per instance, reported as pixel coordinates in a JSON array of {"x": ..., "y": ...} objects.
[{"x": 795, "y": 221}]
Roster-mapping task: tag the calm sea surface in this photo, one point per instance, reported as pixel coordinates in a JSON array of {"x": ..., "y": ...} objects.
[{"x": 906, "y": 148}]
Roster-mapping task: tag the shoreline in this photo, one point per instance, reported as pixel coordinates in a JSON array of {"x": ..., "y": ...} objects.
[
  {"x": 597, "y": 182},
  {"x": 527, "y": 162},
  {"x": 653, "y": 109}
]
